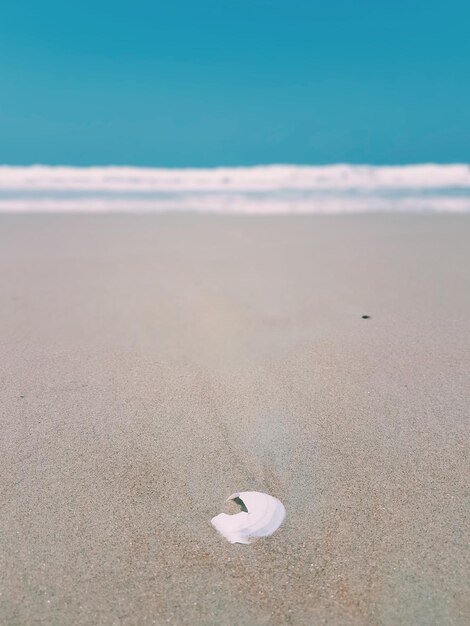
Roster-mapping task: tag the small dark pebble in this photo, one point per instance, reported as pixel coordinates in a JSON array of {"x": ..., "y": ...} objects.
[
  {"x": 21, "y": 396},
  {"x": 366, "y": 317}
]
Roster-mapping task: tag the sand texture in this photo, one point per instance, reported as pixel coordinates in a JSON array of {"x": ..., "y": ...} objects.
[{"x": 151, "y": 366}]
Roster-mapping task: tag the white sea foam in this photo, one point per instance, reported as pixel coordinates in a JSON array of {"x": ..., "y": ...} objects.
[{"x": 262, "y": 189}]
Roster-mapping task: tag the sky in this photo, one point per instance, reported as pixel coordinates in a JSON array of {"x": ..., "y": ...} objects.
[{"x": 173, "y": 83}]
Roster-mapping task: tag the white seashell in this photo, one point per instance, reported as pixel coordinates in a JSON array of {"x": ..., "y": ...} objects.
[{"x": 264, "y": 515}]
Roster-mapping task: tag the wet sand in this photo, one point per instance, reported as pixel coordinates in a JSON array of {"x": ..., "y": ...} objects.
[{"x": 153, "y": 365}]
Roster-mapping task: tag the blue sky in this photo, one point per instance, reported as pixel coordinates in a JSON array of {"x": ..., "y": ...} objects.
[{"x": 241, "y": 82}]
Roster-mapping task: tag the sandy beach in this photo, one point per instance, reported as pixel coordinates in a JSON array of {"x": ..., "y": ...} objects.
[{"x": 151, "y": 365}]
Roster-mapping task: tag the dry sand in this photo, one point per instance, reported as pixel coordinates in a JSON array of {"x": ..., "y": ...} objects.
[{"x": 152, "y": 365}]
